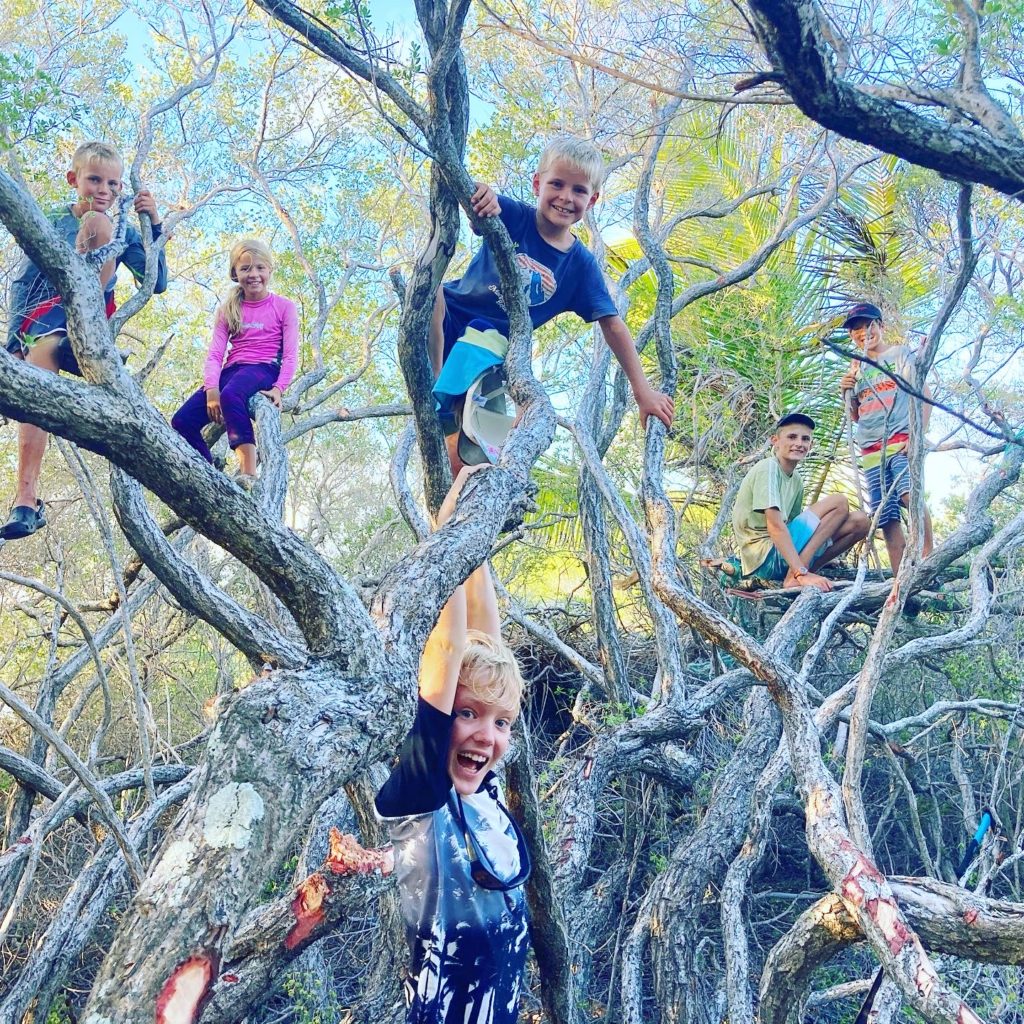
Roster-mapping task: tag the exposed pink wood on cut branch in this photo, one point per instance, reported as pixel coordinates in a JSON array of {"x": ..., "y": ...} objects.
[
  {"x": 184, "y": 991},
  {"x": 347, "y": 857},
  {"x": 308, "y": 908}
]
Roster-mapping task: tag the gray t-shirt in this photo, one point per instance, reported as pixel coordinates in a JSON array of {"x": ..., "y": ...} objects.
[
  {"x": 883, "y": 409},
  {"x": 765, "y": 486}
]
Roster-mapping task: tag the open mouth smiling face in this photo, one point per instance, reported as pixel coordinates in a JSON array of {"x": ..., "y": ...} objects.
[{"x": 479, "y": 738}]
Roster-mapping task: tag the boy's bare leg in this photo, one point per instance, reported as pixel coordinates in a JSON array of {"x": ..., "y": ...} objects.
[
  {"x": 895, "y": 544},
  {"x": 853, "y": 530},
  {"x": 451, "y": 442},
  {"x": 838, "y": 524},
  {"x": 832, "y": 512},
  {"x": 94, "y": 233},
  {"x": 929, "y": 539},
  {"x": 32, "y": 439}
]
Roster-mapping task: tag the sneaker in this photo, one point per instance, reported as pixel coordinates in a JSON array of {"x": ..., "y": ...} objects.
[
  {"x": 24, "y": 521},
  {"x": 486, "y": 420},
  {"x": 245, "y": 480}
]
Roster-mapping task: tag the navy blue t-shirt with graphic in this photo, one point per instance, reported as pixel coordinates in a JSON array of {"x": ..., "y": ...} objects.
[
  {"x": 468, "y": 943},
  {"x": 554, "y": 281}
]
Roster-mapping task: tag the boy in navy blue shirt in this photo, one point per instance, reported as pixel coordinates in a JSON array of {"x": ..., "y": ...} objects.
[{"x": 559, "y": 274}]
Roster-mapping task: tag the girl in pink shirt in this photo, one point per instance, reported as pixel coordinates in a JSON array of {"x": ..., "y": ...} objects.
[{"x": 262, "y": 330}]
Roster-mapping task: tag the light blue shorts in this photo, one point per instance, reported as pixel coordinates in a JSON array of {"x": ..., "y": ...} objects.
[{"x": 801, "y": 529}]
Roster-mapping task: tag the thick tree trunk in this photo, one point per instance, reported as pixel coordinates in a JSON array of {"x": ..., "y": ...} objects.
[{"x": 280, "y": 743}]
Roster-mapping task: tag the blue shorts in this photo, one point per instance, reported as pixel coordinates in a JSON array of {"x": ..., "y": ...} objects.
[
  {"x": 894, "y": 487},
  {"x": 479, "y": 347},
  {"x": 801, "y": 529}
]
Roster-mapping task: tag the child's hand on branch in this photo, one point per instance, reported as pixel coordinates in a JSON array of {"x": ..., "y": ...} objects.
[
  {"x": 444, "y": 513},
  {"x": 213, "y": 409},
  {"x": 274, "y": 394},
  {"x": 652, "y": 402},
  {"x": 485, "y": 202},
  {"x": 807, "y": 579},
  {"x": 145, "y": 202},
  {"x": 849, "y": 379}
]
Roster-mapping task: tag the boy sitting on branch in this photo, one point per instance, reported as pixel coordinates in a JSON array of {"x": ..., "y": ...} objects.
[{"x": 776, "y": 540}]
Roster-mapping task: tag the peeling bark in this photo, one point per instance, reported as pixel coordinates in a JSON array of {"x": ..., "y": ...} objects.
[
  {"x": 279, "y": 742},
  {"x": 947, "y": 918}
]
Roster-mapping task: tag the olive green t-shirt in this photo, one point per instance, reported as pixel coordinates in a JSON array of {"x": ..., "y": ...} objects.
[{"x": 765, "y": 486}]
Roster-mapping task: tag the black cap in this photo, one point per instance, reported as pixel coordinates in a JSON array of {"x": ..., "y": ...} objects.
[
  {"x": 863, "y": 311},
  {"x": 794, "y": 417}
]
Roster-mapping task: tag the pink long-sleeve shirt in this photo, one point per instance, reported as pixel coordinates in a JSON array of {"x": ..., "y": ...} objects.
[{"x": 270, "y": 331}]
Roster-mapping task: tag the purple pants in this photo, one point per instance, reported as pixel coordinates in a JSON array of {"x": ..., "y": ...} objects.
[{"x": 238, "y": 383}]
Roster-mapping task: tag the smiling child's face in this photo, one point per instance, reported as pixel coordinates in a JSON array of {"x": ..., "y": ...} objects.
[
  {"x": 564, "y": 193},
  {"x": 792, "y": 443},
  {"x": 98, "y": 184},
  {"x": 479, "y": 738},
  {"x": 865, "y": 334},
  {"x": 253, "y": 274}
]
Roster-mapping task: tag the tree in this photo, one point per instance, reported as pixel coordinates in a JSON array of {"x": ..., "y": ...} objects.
[
  {"x": 708, "y": 734},
  {"x": 943, "y": 115}
]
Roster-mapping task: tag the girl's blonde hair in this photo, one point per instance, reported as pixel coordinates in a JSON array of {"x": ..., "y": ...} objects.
[
  {"x": 490, "y": 671},
  {"x": 231, "y": 308}
]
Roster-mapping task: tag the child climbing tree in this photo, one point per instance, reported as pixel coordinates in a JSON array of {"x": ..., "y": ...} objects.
[{"x": 728, "y": 712}]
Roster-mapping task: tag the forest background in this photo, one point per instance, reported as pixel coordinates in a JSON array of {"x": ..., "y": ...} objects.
[{"x": 738, "y": 808}]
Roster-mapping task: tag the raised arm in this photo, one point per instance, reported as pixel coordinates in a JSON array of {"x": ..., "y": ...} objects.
[
  {"x": 482, "y": 603},
  {"x": 442, "y": 655},
  {"x": 473, "y": 604}
]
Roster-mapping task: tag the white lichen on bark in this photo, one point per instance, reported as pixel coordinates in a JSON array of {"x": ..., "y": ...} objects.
[
  {"x": 170, "y": 879},
  {"x": 231, "y": 815}
]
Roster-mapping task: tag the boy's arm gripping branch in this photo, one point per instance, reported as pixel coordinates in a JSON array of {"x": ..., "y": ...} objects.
[
  {"x": 134, "y": 257},
  {"x": 442, "y": 655},
  {"x": 649, "y": 400}
]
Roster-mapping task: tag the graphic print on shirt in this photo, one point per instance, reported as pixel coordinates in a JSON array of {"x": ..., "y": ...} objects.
[
  {"x": 537, "y": 281},
  {"x": 877, "y": 395},
  {"x": 468, "y": 943}
]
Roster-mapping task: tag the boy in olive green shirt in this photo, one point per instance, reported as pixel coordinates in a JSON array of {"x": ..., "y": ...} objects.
[{"x": 776, "y": 540}]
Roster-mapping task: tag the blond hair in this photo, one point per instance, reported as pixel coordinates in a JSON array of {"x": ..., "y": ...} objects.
[
  {"x": 582, "y": 155},
  {"x": 490, "y": 671},
  {"x": 231, "y": 308},
  {"x": 89, "y": 152}
]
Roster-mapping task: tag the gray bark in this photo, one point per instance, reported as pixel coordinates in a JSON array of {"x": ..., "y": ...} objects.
[{"x": 792, "y": 36}]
